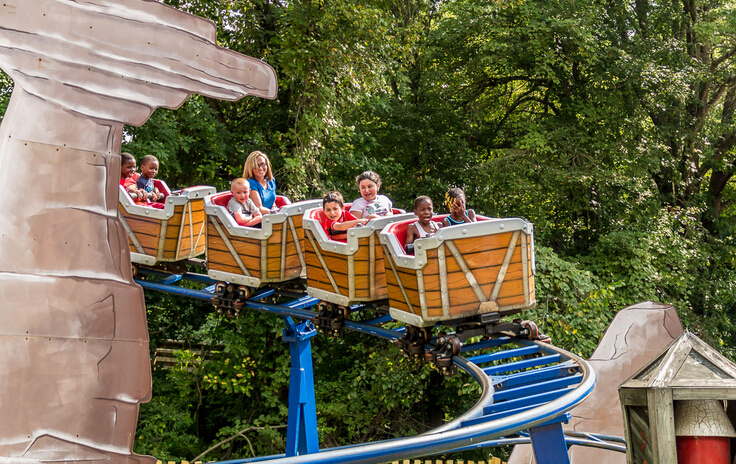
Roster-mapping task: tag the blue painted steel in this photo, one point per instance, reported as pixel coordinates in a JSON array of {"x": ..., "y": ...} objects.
[
  {"x": 537, "y": 375},
  {"x": 172, "y": 279},
  {"x": 191, "y": 276},
  {"x": 473, "y": 427},
  {"x": 375, "y": 331},
  {"x": 201, "y": 278},
  {"x": 538, "y": 387},
  {"x": 379, "y": 320},
  {"x": 549, "y": 444},
  {"x": 525, "y": 364},
  {"x": 539, "y": 398},
  {"x": 262, "y": 293},
  {"x": 505, "y": 354},
  {"x": 174, "y": 290},
  {"x": 490, "y": 343},
  {"x": 498, "y": 415},
  {"x": 303, "y": 302},
  {"x": 301, "y": 429},
  {"x": 589, "y": 440}
]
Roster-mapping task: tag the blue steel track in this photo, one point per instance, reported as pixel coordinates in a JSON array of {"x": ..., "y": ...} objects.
[{"x": 527, "y": 390}]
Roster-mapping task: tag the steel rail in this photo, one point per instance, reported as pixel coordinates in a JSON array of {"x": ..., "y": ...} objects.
[{"x": 454, "y": 435}]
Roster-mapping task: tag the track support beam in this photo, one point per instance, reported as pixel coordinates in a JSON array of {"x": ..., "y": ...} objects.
[
  {"x": 301, "y": 429},
  {"x": 549, "y": 444}
]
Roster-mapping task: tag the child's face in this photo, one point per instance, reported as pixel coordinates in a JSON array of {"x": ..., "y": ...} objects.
[
  {"x": 127, "y": 169},
  {"x": 424, "y": 211},
  {"x": 333, "y": 210},
  {"x": 368, "y": 189},
  {"x": 458, "y": 205},
  {"x": 149, "y": 169},
  {"x": 240, "y": 192}
]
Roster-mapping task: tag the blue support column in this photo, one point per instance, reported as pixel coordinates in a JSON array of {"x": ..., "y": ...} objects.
[
  {"x": 549, "y": 444},
  {"x": 301, "y": 430}
]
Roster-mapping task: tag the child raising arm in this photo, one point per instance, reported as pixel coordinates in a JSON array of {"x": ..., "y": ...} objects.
[{"x": 337, "y": 221}]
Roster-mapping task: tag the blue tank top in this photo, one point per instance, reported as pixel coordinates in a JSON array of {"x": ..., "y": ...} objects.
[{"x": 453, "y": 222}]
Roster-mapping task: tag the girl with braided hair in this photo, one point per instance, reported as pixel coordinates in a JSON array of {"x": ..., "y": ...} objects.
[{"x": 455, "y": 202}]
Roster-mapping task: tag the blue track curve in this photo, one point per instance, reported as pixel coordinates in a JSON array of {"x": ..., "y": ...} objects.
[{"x": 524, "y": 384}]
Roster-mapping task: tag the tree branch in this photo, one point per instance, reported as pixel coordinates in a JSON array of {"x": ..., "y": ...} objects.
[{"x": 239, "y": 434}]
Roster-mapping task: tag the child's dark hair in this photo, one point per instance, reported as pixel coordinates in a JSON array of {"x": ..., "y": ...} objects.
[
  {"x": 126, "y": 158},
  {"x": 333, "y": 197},
  {"x": 370, "y": 175},
  {"x": 453, "y": 194},
  {"x": 423, "y": 198},
  {"x": 148, "y": 159}
]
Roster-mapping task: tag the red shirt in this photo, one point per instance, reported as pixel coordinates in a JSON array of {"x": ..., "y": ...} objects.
[
  {"x": 338, "y": 235},
  {"x": 128, "y": 181}
]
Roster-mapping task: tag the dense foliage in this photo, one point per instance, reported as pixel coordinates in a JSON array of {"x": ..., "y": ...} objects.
[{"x": 609, "y": 125}]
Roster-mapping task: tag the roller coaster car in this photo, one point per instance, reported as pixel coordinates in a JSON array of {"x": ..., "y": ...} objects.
[
  {"x": 468, "y": 275},
  {"x": 342, "y": 274},
  {"x": 166, "y": 236},
  {"x": 249, "y": 256}
]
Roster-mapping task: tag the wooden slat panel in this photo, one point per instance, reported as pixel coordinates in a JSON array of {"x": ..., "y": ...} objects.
[
  {"x": 273, "y": 253},
  {"x": 248, "y": 249},
  {"x": 362, "y": 270},
  {"x": 293, "y": 265},
  {"x": 316, "y": 275},
  {"x": 222, "y": 261},
  {"x": 396, "y": 299},
  {"x": 146, "y": 231}
]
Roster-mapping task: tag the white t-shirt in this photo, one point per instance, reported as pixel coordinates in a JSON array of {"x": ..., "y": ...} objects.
[
  {"x": 380, "y": 206},
  {"x": 248, "y": 208}
]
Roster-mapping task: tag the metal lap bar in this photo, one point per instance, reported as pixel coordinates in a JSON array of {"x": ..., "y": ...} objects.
[
  {"x": 506, "y": 354},
  {"x": 505, "y": 266},
  {"x": 538, "y": 387},
  {"x": 520, "y": 365},
  {"x": 230, "y": 247}
]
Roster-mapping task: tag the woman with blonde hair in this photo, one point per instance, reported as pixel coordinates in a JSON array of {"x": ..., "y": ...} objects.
[{"x": 258, "y": 171}]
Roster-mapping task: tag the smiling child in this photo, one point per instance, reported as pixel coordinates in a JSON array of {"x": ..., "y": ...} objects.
[
  {"x": 337, "y": 221},
  {"x": 370, "y": 205}
]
